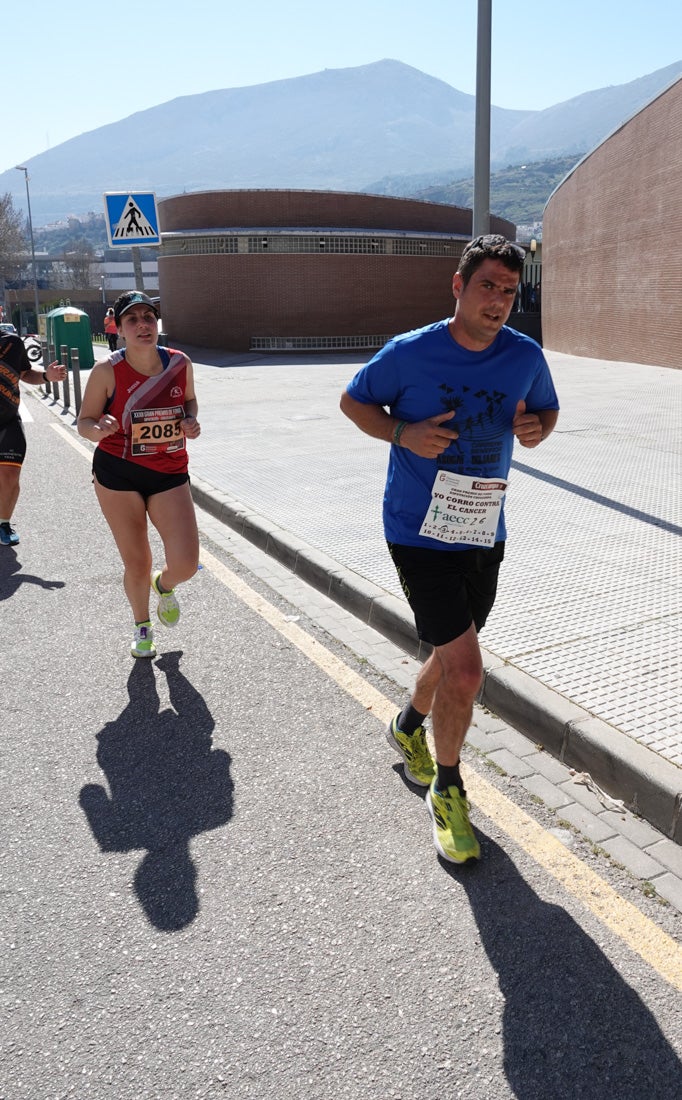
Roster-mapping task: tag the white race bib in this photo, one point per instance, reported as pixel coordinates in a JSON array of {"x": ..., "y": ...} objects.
[
  {"x": 155, "y": 430},
  {"x": 464, "y": 509}
]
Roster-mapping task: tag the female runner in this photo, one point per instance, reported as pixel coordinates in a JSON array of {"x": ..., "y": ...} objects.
[{"x": 139, "y": 406}]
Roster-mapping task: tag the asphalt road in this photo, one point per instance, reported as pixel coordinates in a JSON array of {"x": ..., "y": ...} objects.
[{"x": 216, "y": 883}]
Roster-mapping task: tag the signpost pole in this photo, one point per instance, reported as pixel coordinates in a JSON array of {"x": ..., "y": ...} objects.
[{"x": 137, "y": 268}]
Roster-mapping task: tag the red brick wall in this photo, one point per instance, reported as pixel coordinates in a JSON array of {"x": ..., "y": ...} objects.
[
  {"x": 221, "y": 209},
  {"x": 225, "y": 300},
  {"x": 300, "y": 295},
  {"x": 612, "y": 261}
]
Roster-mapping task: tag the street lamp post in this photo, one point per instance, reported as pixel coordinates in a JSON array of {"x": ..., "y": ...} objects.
[
  {"x": 481, "y": 208},
  {"x": 22, "y": 168}
]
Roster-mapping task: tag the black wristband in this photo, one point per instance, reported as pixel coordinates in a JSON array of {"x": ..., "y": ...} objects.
[{"x": 44, "y": 376}]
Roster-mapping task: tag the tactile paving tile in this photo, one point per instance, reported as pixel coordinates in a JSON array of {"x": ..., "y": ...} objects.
[{"x": 589, "y": 596}]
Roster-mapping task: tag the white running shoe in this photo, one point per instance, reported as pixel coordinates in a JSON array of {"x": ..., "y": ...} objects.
[{"x": 168, "y": 608}]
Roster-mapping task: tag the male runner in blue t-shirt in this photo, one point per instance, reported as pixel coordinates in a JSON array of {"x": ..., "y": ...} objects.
[{"x": 457, "y": 393}]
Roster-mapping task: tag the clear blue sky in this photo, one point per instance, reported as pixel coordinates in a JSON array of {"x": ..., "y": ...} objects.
[{"x": 69, "y": 69}]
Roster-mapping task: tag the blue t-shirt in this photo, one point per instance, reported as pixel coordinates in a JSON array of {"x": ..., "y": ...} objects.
[{"x": 423, "y": 373}]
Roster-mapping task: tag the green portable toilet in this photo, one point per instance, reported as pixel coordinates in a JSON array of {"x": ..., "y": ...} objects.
[{"x": 70, "y": 326}]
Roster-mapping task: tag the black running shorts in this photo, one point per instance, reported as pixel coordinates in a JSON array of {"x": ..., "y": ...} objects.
[
  {"x": 131, "y": 477},
  {"x": 448, "y": 590},
  {"x": 12, "y": 443}
]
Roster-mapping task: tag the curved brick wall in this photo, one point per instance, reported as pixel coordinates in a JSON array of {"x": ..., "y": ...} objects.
[
  {"x": 227, "y": 299},
  {"x": 612, "y": 262}
]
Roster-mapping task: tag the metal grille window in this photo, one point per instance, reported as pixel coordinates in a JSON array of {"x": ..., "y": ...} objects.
[
  {"x": 405, "y": 246},
  {"x": 300, "y": 243},
  {"x": 200, "y": 246},
  {"x": 315, "y": 343},
  {"x": 307, "y": 243}
]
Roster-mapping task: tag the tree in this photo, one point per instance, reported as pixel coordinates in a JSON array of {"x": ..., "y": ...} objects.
[
  {"x": 13, "y": 246},
  {"x": 77, "y": 262}
]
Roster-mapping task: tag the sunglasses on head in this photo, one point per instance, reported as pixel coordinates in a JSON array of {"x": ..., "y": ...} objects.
[{"x": 494, "y": 240}]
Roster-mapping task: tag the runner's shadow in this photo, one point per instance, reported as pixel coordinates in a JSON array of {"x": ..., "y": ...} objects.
[
  {"x": 166, "y": 785},
  {"x": 11, "y": 578},
  {"x": 572, "y": 1026}
]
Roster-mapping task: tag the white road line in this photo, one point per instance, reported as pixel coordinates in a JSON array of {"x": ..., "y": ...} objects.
[{"x": 72, "y": 440}]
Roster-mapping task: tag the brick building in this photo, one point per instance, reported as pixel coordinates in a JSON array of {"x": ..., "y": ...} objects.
[
  {"x": 612, "y": 265},
  {"x": 271, "y": 270}
]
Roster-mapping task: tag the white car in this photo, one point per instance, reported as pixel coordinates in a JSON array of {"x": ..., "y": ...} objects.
[{"x": 8, "y": 329}]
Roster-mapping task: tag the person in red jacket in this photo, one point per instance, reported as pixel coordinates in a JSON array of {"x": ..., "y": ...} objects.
[
  {"x": 111, "y": 330},
  {"x": 139, "y": 407}
]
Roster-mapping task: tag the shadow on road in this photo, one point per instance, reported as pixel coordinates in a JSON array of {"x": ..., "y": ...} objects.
[
  {"x": 11, "y": 576},
  {"x": 572, "y": 1026},
  {"x": 166, "y": 785}
]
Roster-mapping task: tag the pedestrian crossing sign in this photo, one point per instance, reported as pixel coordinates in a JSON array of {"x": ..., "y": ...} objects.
[{"x": 132, "y": 218}]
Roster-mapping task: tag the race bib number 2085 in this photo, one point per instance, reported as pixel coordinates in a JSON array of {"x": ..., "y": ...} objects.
[{"x": 154, "y": 430}]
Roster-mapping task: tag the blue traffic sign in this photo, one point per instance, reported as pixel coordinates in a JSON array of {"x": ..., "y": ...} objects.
[{"x": 132, "y": 218}]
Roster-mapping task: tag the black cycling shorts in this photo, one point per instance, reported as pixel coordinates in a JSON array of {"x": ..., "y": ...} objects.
[
  {"x": 12, "y": 443},
  {"x": 448, "y": 590},
  {"x": 131, "y": 477}
]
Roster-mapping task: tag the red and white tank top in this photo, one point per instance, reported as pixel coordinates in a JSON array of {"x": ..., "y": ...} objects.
[{"x": 149, "y": 411}]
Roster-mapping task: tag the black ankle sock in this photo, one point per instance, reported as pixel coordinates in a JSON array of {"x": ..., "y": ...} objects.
[
  {"x": 143, "y": 622},
  {"x": 409, "y": 719},
  {"x": 449, "y": 776}
]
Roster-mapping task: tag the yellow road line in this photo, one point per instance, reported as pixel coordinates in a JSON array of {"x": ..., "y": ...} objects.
[
  {"x": 620, "y": 916},
  {"x": 623, "y": 918}
]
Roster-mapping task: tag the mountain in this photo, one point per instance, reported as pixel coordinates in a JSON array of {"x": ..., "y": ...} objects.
[
  {"x": 339, "y": 129},
  {"x": 582, "y": 122},
  {"x": 518, "y": 193}
]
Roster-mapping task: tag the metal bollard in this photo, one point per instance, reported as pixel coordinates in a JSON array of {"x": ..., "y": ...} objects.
[
  {"x": 65, "y": 363},
  {"x": 76, "y": 371},
  {"x": 65, "y": 360},
  {"x": 46, "y": 362}
]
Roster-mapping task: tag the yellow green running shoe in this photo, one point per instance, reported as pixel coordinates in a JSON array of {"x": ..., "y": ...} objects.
[
  {"x": 168, "y": 608},
  {"x": 418, "y": 762},
  {"x": 452, "y": 833},
  {"x": 143, "y": 641}
]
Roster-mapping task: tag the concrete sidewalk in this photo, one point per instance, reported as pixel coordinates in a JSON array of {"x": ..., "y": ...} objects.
[{"x": 582, "y": 650}]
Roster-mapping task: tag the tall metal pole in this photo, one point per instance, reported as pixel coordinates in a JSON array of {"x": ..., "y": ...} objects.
[
  {"x": 137, "y": 267},
  {"x": 21, "y": 168},
  {"x": 481, "y": 213}
]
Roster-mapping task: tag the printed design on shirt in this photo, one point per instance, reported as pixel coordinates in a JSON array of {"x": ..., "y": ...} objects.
[
  {"x": 9, "y": 387},
  {"x": 480, "y": 422}
]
